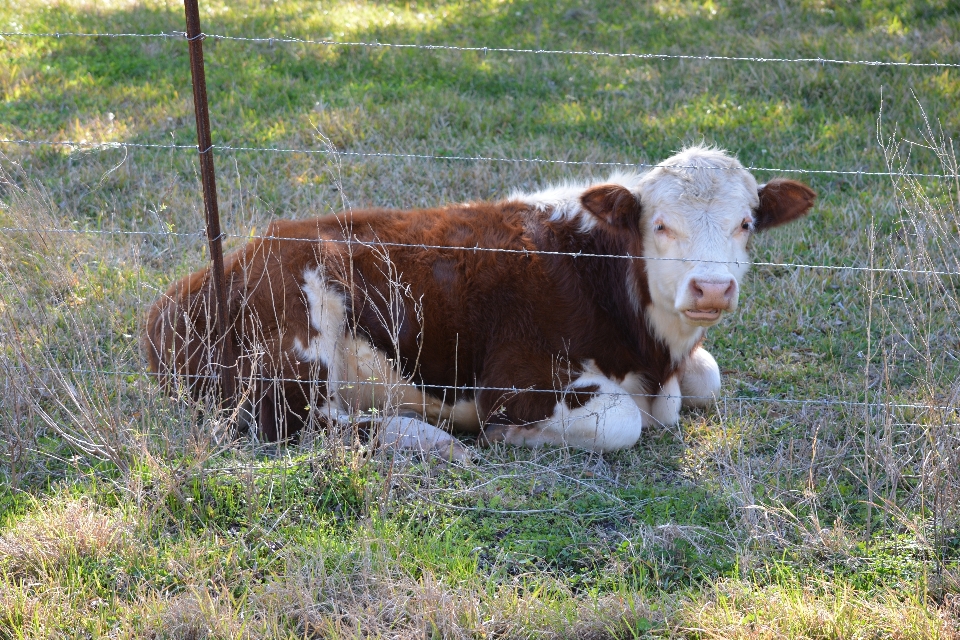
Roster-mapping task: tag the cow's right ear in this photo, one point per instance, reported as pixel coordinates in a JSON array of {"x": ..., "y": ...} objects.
[
  {"x": 614, "y": 204},
  {"x": 782, "y": 201}
]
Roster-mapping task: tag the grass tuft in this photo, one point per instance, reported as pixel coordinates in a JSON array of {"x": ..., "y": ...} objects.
[
  {"x": 60, "y": 534},
  {"x": 825, "y": 611}
]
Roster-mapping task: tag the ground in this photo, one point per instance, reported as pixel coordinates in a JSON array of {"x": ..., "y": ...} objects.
[{"x": 791, "y": 509}]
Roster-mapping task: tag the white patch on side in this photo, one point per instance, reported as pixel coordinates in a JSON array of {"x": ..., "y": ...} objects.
[
  {"x": 609, "y": 421},
  {"x": 327, "y": 317},
  {"x": 700, "y": 382}
]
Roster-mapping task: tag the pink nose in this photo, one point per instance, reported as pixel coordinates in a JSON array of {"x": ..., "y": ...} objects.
[{"x": 713, "y": 295}]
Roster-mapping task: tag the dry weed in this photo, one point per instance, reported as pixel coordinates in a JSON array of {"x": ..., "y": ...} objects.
[
  {"x": 195, "y": 615},
  {"x": 739, "y": 610},
  {"x": 55, "y": 534},
  {"x": 44, "y": 323},
  {"x": 370, "y": 595}
]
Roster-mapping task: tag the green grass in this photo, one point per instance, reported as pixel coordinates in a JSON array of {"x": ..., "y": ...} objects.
[{"x": 127, "y": 513}]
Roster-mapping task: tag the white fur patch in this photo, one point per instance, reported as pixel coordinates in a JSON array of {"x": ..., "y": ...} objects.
[
  {"x": 327, "y": 317},
  {"x": 563, "y": 201},
  {"x": 361, "y": 378},
  {"x": 700, "y": 383},
  {"x": 678, "y": 336},
  {"x": 609, "y": 421}
]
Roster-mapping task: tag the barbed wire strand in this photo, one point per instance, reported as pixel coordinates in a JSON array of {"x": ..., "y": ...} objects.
[
  {"x": 478, "y": 249},
  {"x": 486, "y": 50},
  {"x": 98, "y": 146},
  {"x": 514, "y": 390},
  {"x": 191, "y": 234}
]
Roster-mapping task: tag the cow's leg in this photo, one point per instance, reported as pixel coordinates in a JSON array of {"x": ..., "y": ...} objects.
[
  {"x": 665, "y": 407},
  {"x": 276, "y": 406},
  {"x": 700, "y": 379},
  {"x": 363, "y": 379},
  {"x": 660, "y": 408},
  {"x": 592, "y": 413},
  {"x": 370, "y": 380},
  {"x": 404, "y": 432}
]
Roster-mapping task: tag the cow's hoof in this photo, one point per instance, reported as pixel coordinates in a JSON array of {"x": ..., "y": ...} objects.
[{"x": 453, "y": 451}]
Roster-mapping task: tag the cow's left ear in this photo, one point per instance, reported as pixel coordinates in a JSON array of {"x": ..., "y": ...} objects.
[
  {"x": 613, "y": 204},
  {"x": 782, "y": 201}
]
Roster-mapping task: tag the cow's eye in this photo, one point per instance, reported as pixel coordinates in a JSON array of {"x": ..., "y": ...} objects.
[
  {"x": 659, "y": 227},
  {"x": 746, "y": 225}
]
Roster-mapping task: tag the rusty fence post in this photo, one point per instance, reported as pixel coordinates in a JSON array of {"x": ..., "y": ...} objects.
[{"x": 208, "y": 178}]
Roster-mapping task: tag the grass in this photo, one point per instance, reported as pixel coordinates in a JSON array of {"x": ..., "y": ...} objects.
[{"x": 127, "y": 513}]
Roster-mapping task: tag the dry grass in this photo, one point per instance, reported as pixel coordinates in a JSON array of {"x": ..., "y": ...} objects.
[
  {"x": 195, "y": 615},
  {"x": 371, "y": 595},
  {"x": 815, "y": 612},
  {"x": 57, "y": 534},
  {"x": 45, "y": 293}
]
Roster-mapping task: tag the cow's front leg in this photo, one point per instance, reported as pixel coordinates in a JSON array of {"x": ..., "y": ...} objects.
[
  {"x": 404, "y": 432},
  {"x": 592, "y": 413},
  {"x": 700, "y": 380}
]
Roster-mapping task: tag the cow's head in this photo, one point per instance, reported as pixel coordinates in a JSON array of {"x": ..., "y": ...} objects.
[{"x": 697, "y": 211}]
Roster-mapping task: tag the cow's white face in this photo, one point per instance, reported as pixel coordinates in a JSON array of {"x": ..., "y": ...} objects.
[
  {"x": 699, "y": 209},
  {"x": 693, "y": 216},
  {"x": 695, "y": 225}
]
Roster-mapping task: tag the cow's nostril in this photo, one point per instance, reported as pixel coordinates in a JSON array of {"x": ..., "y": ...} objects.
[{"x": 713, "y": 295}]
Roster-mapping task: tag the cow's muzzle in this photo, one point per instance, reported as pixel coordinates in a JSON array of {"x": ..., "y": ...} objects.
[{"x": 709, "y": 298}]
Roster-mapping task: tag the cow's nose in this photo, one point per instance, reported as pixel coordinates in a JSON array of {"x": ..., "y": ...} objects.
[{"x": 711, "y": 294}]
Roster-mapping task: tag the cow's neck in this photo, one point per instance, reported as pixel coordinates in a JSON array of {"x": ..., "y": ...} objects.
[
  {"x": 610, "y": 284},
  {"x": 624, "y": 283},
  {"x": 677, "y": 336}
]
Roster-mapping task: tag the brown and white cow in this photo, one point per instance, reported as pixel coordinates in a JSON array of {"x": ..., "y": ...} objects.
[{"x": 571, "y": 316}]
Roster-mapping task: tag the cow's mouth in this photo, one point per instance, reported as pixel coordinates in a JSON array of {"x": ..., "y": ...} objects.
[{"x": 703, "y": 315}]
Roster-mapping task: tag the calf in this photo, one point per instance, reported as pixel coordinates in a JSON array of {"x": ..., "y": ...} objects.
[{"x": 572, "y": 316}]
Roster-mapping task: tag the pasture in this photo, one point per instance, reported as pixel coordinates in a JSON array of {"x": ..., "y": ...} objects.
[{"x": 820, "y": 498}]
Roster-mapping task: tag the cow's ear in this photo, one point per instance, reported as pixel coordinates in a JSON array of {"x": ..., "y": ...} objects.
[
  {"x": 782, "y": 201},
  {"x": 613, "y": 204}
]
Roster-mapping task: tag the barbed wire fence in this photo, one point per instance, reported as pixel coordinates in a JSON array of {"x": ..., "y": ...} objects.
[{"x": 214, "y": 235}]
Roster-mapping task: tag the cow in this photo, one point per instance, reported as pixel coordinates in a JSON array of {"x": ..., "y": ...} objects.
[{"x": 570, "y": 316}]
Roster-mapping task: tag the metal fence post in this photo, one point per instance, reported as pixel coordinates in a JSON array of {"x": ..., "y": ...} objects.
[{"x": 208, "y": 178}]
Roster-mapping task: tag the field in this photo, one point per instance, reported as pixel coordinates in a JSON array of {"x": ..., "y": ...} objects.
[{"x": 820, "y": 498}]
